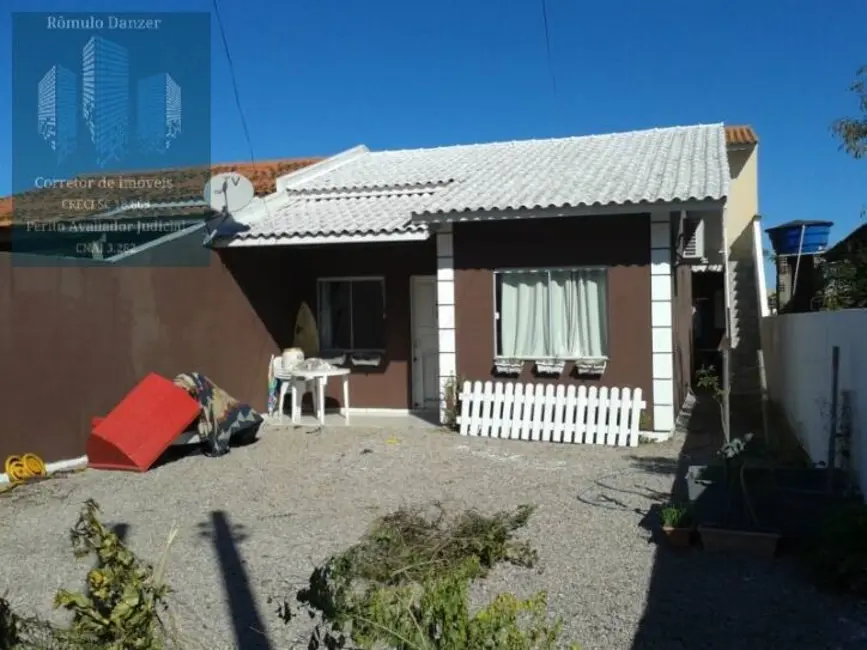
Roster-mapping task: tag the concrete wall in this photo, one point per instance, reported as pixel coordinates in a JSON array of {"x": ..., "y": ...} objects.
[
  {"x": 741, "y": 208},
  {"x": 798, "y": 363},
  {"x": 75, "y": 339}
]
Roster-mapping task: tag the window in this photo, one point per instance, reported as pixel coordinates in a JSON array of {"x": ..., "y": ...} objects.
[
  {"x": 352, "y": 314},
  {"x": 693, "y": 234},
  {"x": 552, "y": 314}
]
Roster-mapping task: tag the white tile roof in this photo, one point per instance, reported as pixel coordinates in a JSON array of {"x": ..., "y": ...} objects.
[
  {"x": 381, "y": 192},
  {"x": 340, "y": 215}
]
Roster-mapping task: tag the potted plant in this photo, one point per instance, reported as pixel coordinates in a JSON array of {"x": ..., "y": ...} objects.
[
  {"x": 677, "y": 524},
  {"x": 738, "y": 528},
  {"x": 701, "y": 478}
]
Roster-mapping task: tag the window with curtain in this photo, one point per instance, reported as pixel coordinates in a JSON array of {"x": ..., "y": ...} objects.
[
  {"x": 552, "y": 314},
  {"x": 352, "y": 314}
]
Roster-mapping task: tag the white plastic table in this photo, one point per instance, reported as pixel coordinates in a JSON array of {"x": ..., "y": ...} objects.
[{"x": 298, "y": 378}]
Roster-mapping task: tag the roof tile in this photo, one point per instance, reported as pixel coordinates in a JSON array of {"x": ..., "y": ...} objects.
[
  {"x": 383, "y": 191},
  {"x": 741, "y": 135}
]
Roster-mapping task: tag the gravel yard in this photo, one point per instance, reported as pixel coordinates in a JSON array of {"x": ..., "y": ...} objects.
[{"x": 254, "y": 523}]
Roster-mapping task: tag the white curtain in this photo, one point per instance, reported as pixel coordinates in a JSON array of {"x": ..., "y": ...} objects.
[{"x": 556, "y": 314}]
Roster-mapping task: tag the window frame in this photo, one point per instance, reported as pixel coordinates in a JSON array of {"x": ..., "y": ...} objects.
[
  {"x": 321, "y": 282},
  {"x": 548, "y": 269}
]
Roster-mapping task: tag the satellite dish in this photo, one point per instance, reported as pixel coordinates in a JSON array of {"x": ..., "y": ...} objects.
[{"x": 229, "y": 192}]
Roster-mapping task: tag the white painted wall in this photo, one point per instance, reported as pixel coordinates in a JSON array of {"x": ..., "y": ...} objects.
[
  {"x": 797, "y": 350},
  {"x": 662, "y": 341},
  {"x": 446, "y": 312}
]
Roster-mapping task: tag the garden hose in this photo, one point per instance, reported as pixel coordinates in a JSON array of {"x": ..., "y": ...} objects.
[{"x": 22, "y": 468}]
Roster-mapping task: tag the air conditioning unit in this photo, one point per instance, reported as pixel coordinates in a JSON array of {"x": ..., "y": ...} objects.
[{"x": 693, "y": 236}]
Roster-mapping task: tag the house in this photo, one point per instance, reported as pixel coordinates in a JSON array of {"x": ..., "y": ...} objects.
[
  {"x": 566, "y": 260},
  {"x": 743, "y": 246},
  {"x": 729, "y": 263},
  {"x": 842, "y": 272},
  {"x": 852, "y": 244}
]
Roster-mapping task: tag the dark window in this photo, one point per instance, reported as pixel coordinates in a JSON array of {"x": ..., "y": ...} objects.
[{"x": 352, "y": 314}]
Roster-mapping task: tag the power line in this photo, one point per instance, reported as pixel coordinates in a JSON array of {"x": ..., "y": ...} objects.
[
  {"x": 555, "y": 95},
  {"x": 547, "y": 47},
  {"x": 234, "y": 82},
  {"x": 237, "y": 94}
]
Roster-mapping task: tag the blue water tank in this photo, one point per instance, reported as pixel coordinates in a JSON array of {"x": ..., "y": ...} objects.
[{"x": 786, "y": 238}]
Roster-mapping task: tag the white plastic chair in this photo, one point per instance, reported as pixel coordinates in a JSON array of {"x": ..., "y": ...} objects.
[{"x": 297, "y": 387}]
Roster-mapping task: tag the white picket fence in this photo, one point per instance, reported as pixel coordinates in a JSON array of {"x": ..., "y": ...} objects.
[{"x": 599, "y": 416}]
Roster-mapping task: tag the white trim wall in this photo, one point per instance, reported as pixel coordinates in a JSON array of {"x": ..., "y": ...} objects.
[
  {"x": 446, "y": 311},
  {"x": 662, "y": 335}
]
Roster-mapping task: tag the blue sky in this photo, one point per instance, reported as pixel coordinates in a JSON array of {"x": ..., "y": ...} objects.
[{"x": 318, "y": 76}]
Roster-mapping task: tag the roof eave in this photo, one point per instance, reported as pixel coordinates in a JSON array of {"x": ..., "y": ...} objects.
[
  {"x": 309, "y": 239},
  {"x": 710, "y": 203}
]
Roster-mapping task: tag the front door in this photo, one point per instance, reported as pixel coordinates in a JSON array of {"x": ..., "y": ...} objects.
[{"x": 425, "y": 343}]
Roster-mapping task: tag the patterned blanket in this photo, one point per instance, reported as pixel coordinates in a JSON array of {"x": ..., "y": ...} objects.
[{"x": 223, "y": 417}]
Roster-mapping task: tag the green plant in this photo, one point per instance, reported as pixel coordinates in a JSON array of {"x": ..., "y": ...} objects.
[
  {"x": 845, "y": 280},
  {"x": 735, "y": 449},
  {"x": 852, "y": 131},
  {"x": 644, "y": 423},
  {"x": 405, "y": 586},
  {"x": 708, "y": 381},
  {"x": 838, "y": 556},
  {"x": 122, "y": 609},
  {"x": 736, "y": 456},
  {"x": 452, "y": 399},
  {"x": 676, "y": 516},
  {"x": 10, "y": 626}
]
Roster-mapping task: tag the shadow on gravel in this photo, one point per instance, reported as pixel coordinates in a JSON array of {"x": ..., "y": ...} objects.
[
  {"x": 250, "y": 630},
  {"x": 121, "y": 530},
  {"x": 698, "y": 599},
  {"x": 655, "y": 465}
]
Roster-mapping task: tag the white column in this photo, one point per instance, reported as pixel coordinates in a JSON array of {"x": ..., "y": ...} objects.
[
  {"x": 662, "y": 341},
  {"x": 445, "y": 310}
]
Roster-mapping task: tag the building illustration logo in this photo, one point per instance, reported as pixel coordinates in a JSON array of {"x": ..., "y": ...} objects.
[
  {"x": 159, "y": 112},
  {"x": 58, "y": 110},
  {"x": 103, "y": 105}
]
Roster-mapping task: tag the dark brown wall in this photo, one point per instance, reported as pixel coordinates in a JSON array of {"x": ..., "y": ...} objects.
[
  {"x": 682, "y": 329},
  {"x": 75, "y": 340},
  {"x": 278, "y": 279},
  {"x": 620, "y": 242}
]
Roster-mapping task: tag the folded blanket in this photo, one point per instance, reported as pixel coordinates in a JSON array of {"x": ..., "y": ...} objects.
[{"x": 223, "y": 417}]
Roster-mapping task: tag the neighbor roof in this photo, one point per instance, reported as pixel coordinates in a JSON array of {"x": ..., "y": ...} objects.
[
  {"x": 368, "y": 192},
  {"x": 178, "y": 186},
  {"x": 855, "y": 240},
  {"x": 741, "y": 135}
]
